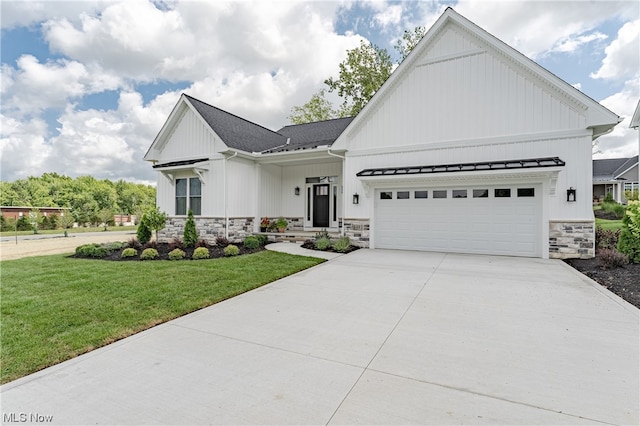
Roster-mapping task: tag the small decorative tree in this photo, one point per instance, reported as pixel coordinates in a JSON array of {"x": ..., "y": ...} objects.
[
  {"x": 143, "y": 232},
  {"x": 34, "y": 219},
  {"x": 190, "y": 237},
  {"x": 105, "y": 215},
  {"x": 156, "y": 220}
]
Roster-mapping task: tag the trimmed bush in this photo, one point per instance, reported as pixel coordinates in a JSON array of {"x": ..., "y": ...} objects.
[
  {"x": 143, "y": 232},
  {"x": 176, "y": 254},
  {"x": 222, "y": 241},
  {"x": 606, "y": 238},
  {"x": 92, "y": 250},
  {"x": 262, "y": 239},
  {"x": 251, "y": 242},
  {"x": 129, "y": 252},
  {"x": 323, "y": 243},
  {"x": 611, "y": 258},
  {"x": 342, "y": 245},
  {"x": 200, "y": 253},
  {"x": 190, "y": 236},
  {"x": 113, "y": 246},
  {"x": 231, "y": 250},
  {"x": 149, "y": 254}
]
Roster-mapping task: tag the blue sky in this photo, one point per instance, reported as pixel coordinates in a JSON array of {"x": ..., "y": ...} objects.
[{"x": 86, "y": 85}]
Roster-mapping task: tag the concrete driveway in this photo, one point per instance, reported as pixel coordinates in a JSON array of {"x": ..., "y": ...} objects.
[{"x": 373, "y": 337}]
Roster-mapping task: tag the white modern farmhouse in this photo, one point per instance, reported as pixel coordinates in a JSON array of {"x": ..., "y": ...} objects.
[{"x": 468, "y": 147}]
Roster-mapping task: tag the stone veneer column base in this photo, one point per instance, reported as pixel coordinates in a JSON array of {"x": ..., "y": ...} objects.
[
  {"x": 358, "y": 231},
  {"x": 571, "y": 239},
  {"x": 208, "y": 228}
]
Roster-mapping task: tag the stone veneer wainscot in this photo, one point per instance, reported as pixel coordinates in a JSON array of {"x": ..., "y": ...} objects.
[
  {"x": 208, "y": 228},
  {"x": 358, "y": 231},
  {"x": 570, "y": 239}
]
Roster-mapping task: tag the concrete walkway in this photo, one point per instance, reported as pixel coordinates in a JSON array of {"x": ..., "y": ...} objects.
[{"x": 372, "y": 337}]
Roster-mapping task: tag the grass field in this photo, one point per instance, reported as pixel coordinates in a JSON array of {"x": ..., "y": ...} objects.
[
  {"x": 609, "y": 224},
  {"x": 70, "y": 230},
  {"x": 54, "y": 308}
]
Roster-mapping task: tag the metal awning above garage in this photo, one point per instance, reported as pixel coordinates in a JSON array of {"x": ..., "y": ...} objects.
[{"x": 464, "y": 167}]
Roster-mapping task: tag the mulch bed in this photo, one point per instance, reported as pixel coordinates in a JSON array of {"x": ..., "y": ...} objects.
[
  {"x": 625, "y": 281},
  {"x": 165, "y": 248},
  {"x": 601, "y": 214},
  {"x": 310, "y": 244}
]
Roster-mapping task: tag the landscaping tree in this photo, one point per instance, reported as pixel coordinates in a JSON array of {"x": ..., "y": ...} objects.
[
  {"x": 409, "y": 40},
  {"x": 143, "y": 232},
  {"x": 35, "y": 219},
  {"x": 66, "y": 221},
  {"x": 156, "y": 220},
  {"x": 190, "y": 236},
  {"x": 317, "y": 109},
  {"x": 106, "y": 216},
  {"x": 629, "y": 240}
]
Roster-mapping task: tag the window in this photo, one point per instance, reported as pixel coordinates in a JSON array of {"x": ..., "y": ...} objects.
[
  {"x": 440, "y": 194},
  {"x": 459, "y": 193},
  {"x": 502, "y": 193},
  {"x": 402, "y": 195},
  {"x": 188, "y": 196},
  {"x": 480, "y": 193},
  {"x": 421, "y": 194},
  {"x": 526, "y": 192},
  {"x": 386, "y": 195}
]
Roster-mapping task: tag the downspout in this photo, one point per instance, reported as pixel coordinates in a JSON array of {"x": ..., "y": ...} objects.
[
  {"x": 344, "y": 196},
  {"x": 226, "y": 210}
]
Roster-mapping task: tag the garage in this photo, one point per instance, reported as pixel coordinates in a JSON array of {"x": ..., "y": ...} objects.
[{"x": 499, "y": 220}]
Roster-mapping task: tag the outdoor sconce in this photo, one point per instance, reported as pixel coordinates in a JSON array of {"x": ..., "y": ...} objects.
[
  {"x": 356, "y": 198},
  {"x": 297, "y": 190},
  {"x": 571, "y": 195}
]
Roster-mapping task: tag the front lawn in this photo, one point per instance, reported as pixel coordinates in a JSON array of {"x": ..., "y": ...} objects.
[
  {"x": 54, "y": 308},
  {"x": 609, "y": 224},
  {"x": 80, "y": 230}
]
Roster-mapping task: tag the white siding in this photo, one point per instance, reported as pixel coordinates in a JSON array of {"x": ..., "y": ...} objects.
[
  {"x": 191, "y": 138},
  {"x": 241, "y": 188},
  {"x": 293, "y": 176},
  {"x": 270, "y": 192}
]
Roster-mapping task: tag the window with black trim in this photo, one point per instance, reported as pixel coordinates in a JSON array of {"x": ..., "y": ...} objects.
[
  {"x": 440, "y": 194},
  {"x": 421, "y": 194},
  {"x": 502, "y": 193},
  {"x": 526, "y": 192},
  {"x": 188, "y": 196},
  {"x": 402, "y": 195},
  {"x": 386, "y": 195},
  {"x": 480, "y": 193},
  {"x": 459, "y": 193}
]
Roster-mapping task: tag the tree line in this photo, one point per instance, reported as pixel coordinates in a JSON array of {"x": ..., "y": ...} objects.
[{"x": 90, "y": 200}]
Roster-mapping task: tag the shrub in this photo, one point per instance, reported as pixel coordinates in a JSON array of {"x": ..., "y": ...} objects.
[
  {"x": 251, "y": 242},
  {"x": 156, "y": 220},
  {"x": 149, "y": 254},
  {"x": 23, "y": 224},
  {"x": 608, "y": 198},
  {"x": 262, "y": 239},
  {"x": 322, "y": 234},
  {"x": 176, "y": 254},
  {"x": 611, "y": 258},
  {"x": 618, "y": 210},
  {"x": 200, "y": 253},
  {"x": 176, "y": 243},
  {"x": 190, "y": 236},
  {"x": 222, "y": 241},
  {"x": 151, "y": 244},
  {"x": 92, "y": 250},
  {"x": 323, "y": 243},
  {"x": 631, "y": 195},
  {"x": 203, "y": 243},
  {"x": 143, "y": 232},
  {"x": 629, "y": 240},
  {"x": 606, "y": 238},
  {"x": 129, "y": 252},
  {"x": 281, "y": 223},
  {"x": 342, "y": 245},
  {"x": 113, "y": 246},
  {"x": 134, "y": 244},
  {"x": 231, "y": 250}
]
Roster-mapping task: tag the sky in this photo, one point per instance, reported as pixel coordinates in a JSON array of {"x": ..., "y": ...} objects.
[{"x": 85, "y": 86}]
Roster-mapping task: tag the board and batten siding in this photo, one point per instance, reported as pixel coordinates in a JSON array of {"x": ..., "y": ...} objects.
[
  {"x": 575, "y": 151},
  {"x": 191, "y": 138},
  {"x": 241, "y": 188},
  {"x": 460, "y": 88}
]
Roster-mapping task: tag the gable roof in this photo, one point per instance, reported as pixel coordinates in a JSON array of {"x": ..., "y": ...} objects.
[
  {"x": 598, "y": 118},
  {"x": 609, "y": 169},
  {"x": 635, "y": 119},
  {"x": 312, "y": 135},
  {"x": 236, "y": 132}
]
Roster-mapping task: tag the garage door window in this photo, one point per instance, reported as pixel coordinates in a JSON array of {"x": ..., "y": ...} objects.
[
  {"x": 421, "y": 194},
  {"x": 386, "y": 195},
  {"x": 480, "y": 193},
  {"x": 439, "y": 194},
  {"x": 402, "y": 195},
  {"x": 502, "y": 193},
  {"x": 526, "y": 192},
  {"x": 459, "y": 193}
]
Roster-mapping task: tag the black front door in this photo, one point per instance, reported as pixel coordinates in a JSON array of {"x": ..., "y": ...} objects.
[{"x": 320, "y": 206}]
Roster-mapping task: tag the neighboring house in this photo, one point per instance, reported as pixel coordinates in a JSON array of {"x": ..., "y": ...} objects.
[
  {"x": 635, "y": 124},
  {"x": 614, "y": 176},
  {"x": 14, "y": 212},
  {"x": 469, "y": 147}
]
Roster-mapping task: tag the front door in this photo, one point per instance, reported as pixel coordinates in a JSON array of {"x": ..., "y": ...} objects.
[{"x": 321, "y": 206}]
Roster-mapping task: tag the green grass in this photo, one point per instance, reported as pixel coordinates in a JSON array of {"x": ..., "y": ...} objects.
[
  {"x": 70, "y": 231},
  {"x": 54, "y": 308},
  {"x": 609, "y": 224}
]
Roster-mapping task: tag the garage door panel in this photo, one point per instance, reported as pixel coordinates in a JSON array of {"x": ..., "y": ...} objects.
[{"x": 491, "y": 225}]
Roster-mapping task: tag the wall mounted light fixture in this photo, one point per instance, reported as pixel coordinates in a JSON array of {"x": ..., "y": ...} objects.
[
  {"x": 571, "y": 195},
  {"x": 356, "y": 198},
  {"x": 297, "y": 190}
]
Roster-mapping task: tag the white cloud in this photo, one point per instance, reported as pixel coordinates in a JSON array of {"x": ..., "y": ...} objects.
[
  {"x": 23, "y": 147},
  {"x": 622, "y": 141},
  {"x": 29, "y": 13},
  {"x": 622, "y": 58},
  {"x": 571, "y": 44},
  {"x": 391, "y": 15}
]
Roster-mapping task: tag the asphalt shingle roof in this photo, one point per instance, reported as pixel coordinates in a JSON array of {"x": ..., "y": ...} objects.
[
  {"x": 608, "y": 168},
  {"x": 244, "y": 135}
]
